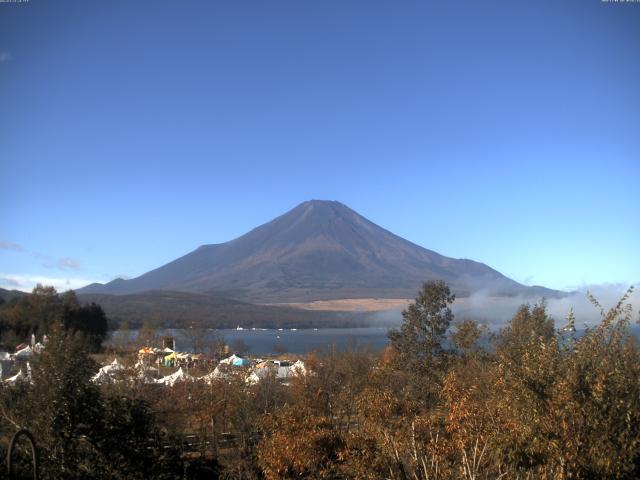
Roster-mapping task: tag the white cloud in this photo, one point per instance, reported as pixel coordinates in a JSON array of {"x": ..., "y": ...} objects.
[
  {"x": 11, "y": 246},
  {"x": 5, "y": 56},
  {"x": 498, "y": 311},
  {"x": 68, "y": 262},
  {"x": 62, "y": 263},
  {"x": 27, "y": 282}
]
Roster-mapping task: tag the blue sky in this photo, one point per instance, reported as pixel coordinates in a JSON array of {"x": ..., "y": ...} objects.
[{"x": 505, "y": 132}]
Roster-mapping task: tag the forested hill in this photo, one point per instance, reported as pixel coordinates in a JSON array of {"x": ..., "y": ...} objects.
[
  {"x": 6, "y": 295},
  {"x": 181, "y": 309}
]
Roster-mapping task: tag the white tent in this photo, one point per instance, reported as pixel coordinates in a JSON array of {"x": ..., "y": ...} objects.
[
  {"x": 280, "y": 373},
  {"x": 256, "y": 376},
  {"x": 298, "y": 368},
  {"x": 179, "y": 376},
  {"x": 283, "y": 372},
  {"x": 113, "y": 367},
  {"x": 23, "y": 354},
  {"x": 107, "y": 373},
  {"x": 211, "y": 376},
  {"x": 18, "y": 377},
  {"x": 21, "y": 376},
  {"x": 144, "y": 372},
  {"x": 101, "y": 378}
]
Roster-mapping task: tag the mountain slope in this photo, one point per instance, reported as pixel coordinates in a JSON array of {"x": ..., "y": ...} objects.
[{"x": 319, "y": 250}]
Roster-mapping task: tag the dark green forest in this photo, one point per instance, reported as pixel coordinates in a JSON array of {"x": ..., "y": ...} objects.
[{"x": 37, "y": 314}]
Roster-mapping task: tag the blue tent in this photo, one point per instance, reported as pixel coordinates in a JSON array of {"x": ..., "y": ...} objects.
[{"x": 240, "y": 362}]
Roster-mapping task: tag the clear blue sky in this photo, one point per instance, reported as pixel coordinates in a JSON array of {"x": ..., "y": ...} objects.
[{"x": 133, "y": 131}]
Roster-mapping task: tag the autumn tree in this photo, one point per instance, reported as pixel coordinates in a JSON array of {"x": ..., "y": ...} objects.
[
  {"x": 63, "y": 406},
  {"x": 418, "y": 344},
  {"x": 146, "y": 335},
  {"x": 425, "y": 322},
  {"x": 38, "y": 312}
]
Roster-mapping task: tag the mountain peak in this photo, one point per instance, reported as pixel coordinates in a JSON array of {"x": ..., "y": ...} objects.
[
  {"x": 317, "y": 202},
  {"x": 320, "y": 207}
]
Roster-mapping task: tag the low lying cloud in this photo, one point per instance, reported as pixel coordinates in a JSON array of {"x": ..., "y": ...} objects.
[
  {"x": 26, "y": 283},
  {"x": 497, "y": 311}
]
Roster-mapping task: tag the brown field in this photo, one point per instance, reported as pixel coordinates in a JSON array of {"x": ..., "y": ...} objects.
[
  {"x": 372, "y": 304},
  {"x": 351, "y": 304}
]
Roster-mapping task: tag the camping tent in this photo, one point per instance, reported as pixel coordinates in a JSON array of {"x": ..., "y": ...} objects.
[
  {"x": 179, "y": 376},
  {"x": 18, "y": 377},
  {"x": 170, "y": 359},
  {"x": 21, "y": 376},
  {"x": 211, "y": 376},
  {"x": 236, "y": 361},
  {"x": 143, "y": 372},
  {"x": 107, "y": 373},
  {"x": 23, "y": 354},
  {"x": 298, "y": 368},
  {"x": 255, "y": 376}
]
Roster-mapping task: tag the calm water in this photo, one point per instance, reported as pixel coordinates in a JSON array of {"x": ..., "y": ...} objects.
[{"x": 261, "y": 342}]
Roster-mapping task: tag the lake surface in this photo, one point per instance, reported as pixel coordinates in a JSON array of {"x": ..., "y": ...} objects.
[
  {"x": 264, "y": 342},
  {"x": 301, "y": 341}
]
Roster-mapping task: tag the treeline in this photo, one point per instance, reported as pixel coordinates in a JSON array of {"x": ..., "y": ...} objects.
[
  {"x": 37, "y": 313},
  {"x": 539, "y": 403}
]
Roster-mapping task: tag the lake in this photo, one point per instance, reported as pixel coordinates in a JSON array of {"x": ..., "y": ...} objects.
[
  {"x": 264, "y": 342},
  {"x": 301, "y": 341}
]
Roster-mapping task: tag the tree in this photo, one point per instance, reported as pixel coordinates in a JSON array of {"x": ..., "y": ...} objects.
[
  {"x": 215, "y": 344},
  {"x": 64, "y": 406},
  {"x": 34, "y": 313},
  {"x": 39, "y": 312},
  {"x": 529, "y": 326},
  {"x": 466, "y": 335},
  {"x": 197, "y": 335},
  {"x": 146, "y": 335},
  {"x": 122, "y": 337},
  {"x": 425, "y": 323},
  {"x": 418, "y": 361},
  {"x": 240, "y": 347},
  {"x": 89, "y": 319},
  {"x": 84, "y": 431}
]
